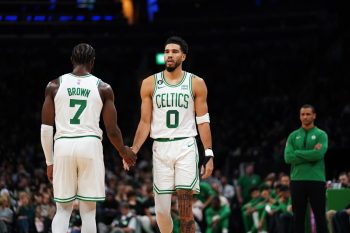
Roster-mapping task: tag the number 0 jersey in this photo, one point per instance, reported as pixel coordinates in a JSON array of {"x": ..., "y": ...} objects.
[
  {"x": 78, "y": 107},
  {"x": 173, "y": 108}
]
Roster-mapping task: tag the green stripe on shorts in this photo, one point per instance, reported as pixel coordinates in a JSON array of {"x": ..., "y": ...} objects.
[
  {"x": 164, "y": 191},
  {"x": 64, "y": 200},
  {"x": 90, "y": 198}
]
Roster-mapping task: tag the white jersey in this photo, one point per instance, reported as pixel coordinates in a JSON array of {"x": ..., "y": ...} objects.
[
  {"x": 78, "y": 107},
  {"x": 173, "y": 113}
]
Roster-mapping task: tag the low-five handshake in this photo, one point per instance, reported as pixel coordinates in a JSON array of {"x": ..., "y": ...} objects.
[{"x": 129, "y": 157}]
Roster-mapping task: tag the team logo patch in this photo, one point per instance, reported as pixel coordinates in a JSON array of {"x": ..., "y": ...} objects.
[
  {"x": 313, "y": 137},
  {"x": 160, "y": 82},
  {"x": 184, "y": 87},
  {"x": 78, "y": 82}
]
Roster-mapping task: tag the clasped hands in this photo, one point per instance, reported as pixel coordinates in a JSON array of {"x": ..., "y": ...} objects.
[{"x": 129, "y": 157}]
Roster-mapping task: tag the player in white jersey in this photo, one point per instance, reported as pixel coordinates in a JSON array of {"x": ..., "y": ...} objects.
[
  {"x": 172, "y": 102},
  {"x": 74, "y": 156}
]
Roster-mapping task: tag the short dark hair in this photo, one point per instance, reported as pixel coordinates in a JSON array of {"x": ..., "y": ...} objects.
[
  {"x": 83, "y": 54},
  {"x": 179, "y": 41},
  {"x": 253, "y": 189},
  {"x": 309, "y": 106}
]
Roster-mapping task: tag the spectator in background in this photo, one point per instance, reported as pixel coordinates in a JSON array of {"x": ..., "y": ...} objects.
[
  {"x": 250, "y": 210},
  {"x": 217, "y": 217},
  {"x": 106, "y": 211},
  {"x": 344, "y": 180},
  {"x": 148, "y": 217},
  {"x": 126, "y": 222},
  {"x": 284, "y": 180},
  {"x": 44, "y": 213},
  {"x": 206, "y": 195},
  {"x": 246, "y": 182},
  {"x": 279, "y": 212},
  {"x": 25, "y": 213},
  {"x": 341, "y": 220},
  {"x": 6, "y": 215},
  {"x": 218, "y": 193},
  {"x": 197, "y": 209},
  {"x": 227, "y": 189},
  {"x": 305, "y": 150}
]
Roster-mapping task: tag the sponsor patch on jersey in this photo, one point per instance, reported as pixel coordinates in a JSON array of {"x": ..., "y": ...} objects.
[
  {"x": 313, "y": 137},
  {"x": 184, "y": 87},
  {"x": 160, "y": 82}
]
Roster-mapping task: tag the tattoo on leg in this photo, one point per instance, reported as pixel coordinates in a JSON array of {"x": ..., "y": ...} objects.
[{"x": 187, "y": 224}]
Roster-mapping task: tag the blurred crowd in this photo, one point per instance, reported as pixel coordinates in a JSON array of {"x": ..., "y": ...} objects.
[{"x": 246, "y": 203}]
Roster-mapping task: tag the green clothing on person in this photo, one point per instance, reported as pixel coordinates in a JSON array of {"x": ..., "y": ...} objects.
[
  {"x": 246, "y": 183},
  {"x": 306, "y": 162},
  {"x": 176, "y": 223},
  {"x": 223, "y": 213},
  {"x": 258, "y": 204},
  {"x": 206, "y": 192}
]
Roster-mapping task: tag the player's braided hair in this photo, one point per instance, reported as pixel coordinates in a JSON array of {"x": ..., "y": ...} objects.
[{"x": 83, "y": 54}]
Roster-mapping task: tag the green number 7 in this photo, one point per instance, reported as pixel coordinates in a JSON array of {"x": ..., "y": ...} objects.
[{"x": 82, "y": 105}]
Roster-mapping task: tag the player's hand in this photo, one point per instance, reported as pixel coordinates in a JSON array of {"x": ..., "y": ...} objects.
[
  {"x": 125, "y": 166},
  {"x": 318, "y": 146},
  {"x": 129, "y": 156},
  {"x": 207, "y": 168},
  {"x": 49, "y": 172}
]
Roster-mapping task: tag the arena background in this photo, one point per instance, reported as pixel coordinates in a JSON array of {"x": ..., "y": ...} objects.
[{"x": 261, "y": 61}]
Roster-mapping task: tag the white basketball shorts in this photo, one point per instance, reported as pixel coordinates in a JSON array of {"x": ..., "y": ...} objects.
[
  {"x": 175, "y": 165},
  {"x": 78, "y": 170}
]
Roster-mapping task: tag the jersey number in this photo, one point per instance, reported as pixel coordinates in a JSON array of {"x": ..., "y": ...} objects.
[
  {"x": 172, "y": 118},
  {"x": 82, "y": 105}
]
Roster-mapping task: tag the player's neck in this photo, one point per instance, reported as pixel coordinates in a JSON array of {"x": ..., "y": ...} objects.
[
  {"x": 175, "y": 75},
  {"x": 80, "y": 70}
]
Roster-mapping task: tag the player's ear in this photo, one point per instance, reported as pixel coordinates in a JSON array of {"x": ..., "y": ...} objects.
[{"x": 183, "y": 57}]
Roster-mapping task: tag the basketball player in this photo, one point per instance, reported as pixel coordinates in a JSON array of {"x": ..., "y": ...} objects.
[
  {"x": 171, "y": 100},
  {"x": 73, "y": 103}
]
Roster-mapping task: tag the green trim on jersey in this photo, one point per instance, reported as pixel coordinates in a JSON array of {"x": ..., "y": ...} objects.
[
  {"x": 80, "y": 76},
  {"x": 84, "y": 136},
  {"x": 155, "y": 84},
  {"x": 64, "y": 200},
  {"x": 175, "y": 85},
  {"x": 190, "y": 81},
  {"x": 94, "y": 199},
  {"x": 168, "y": 139},
  {"x": 98, "y": 82}
]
